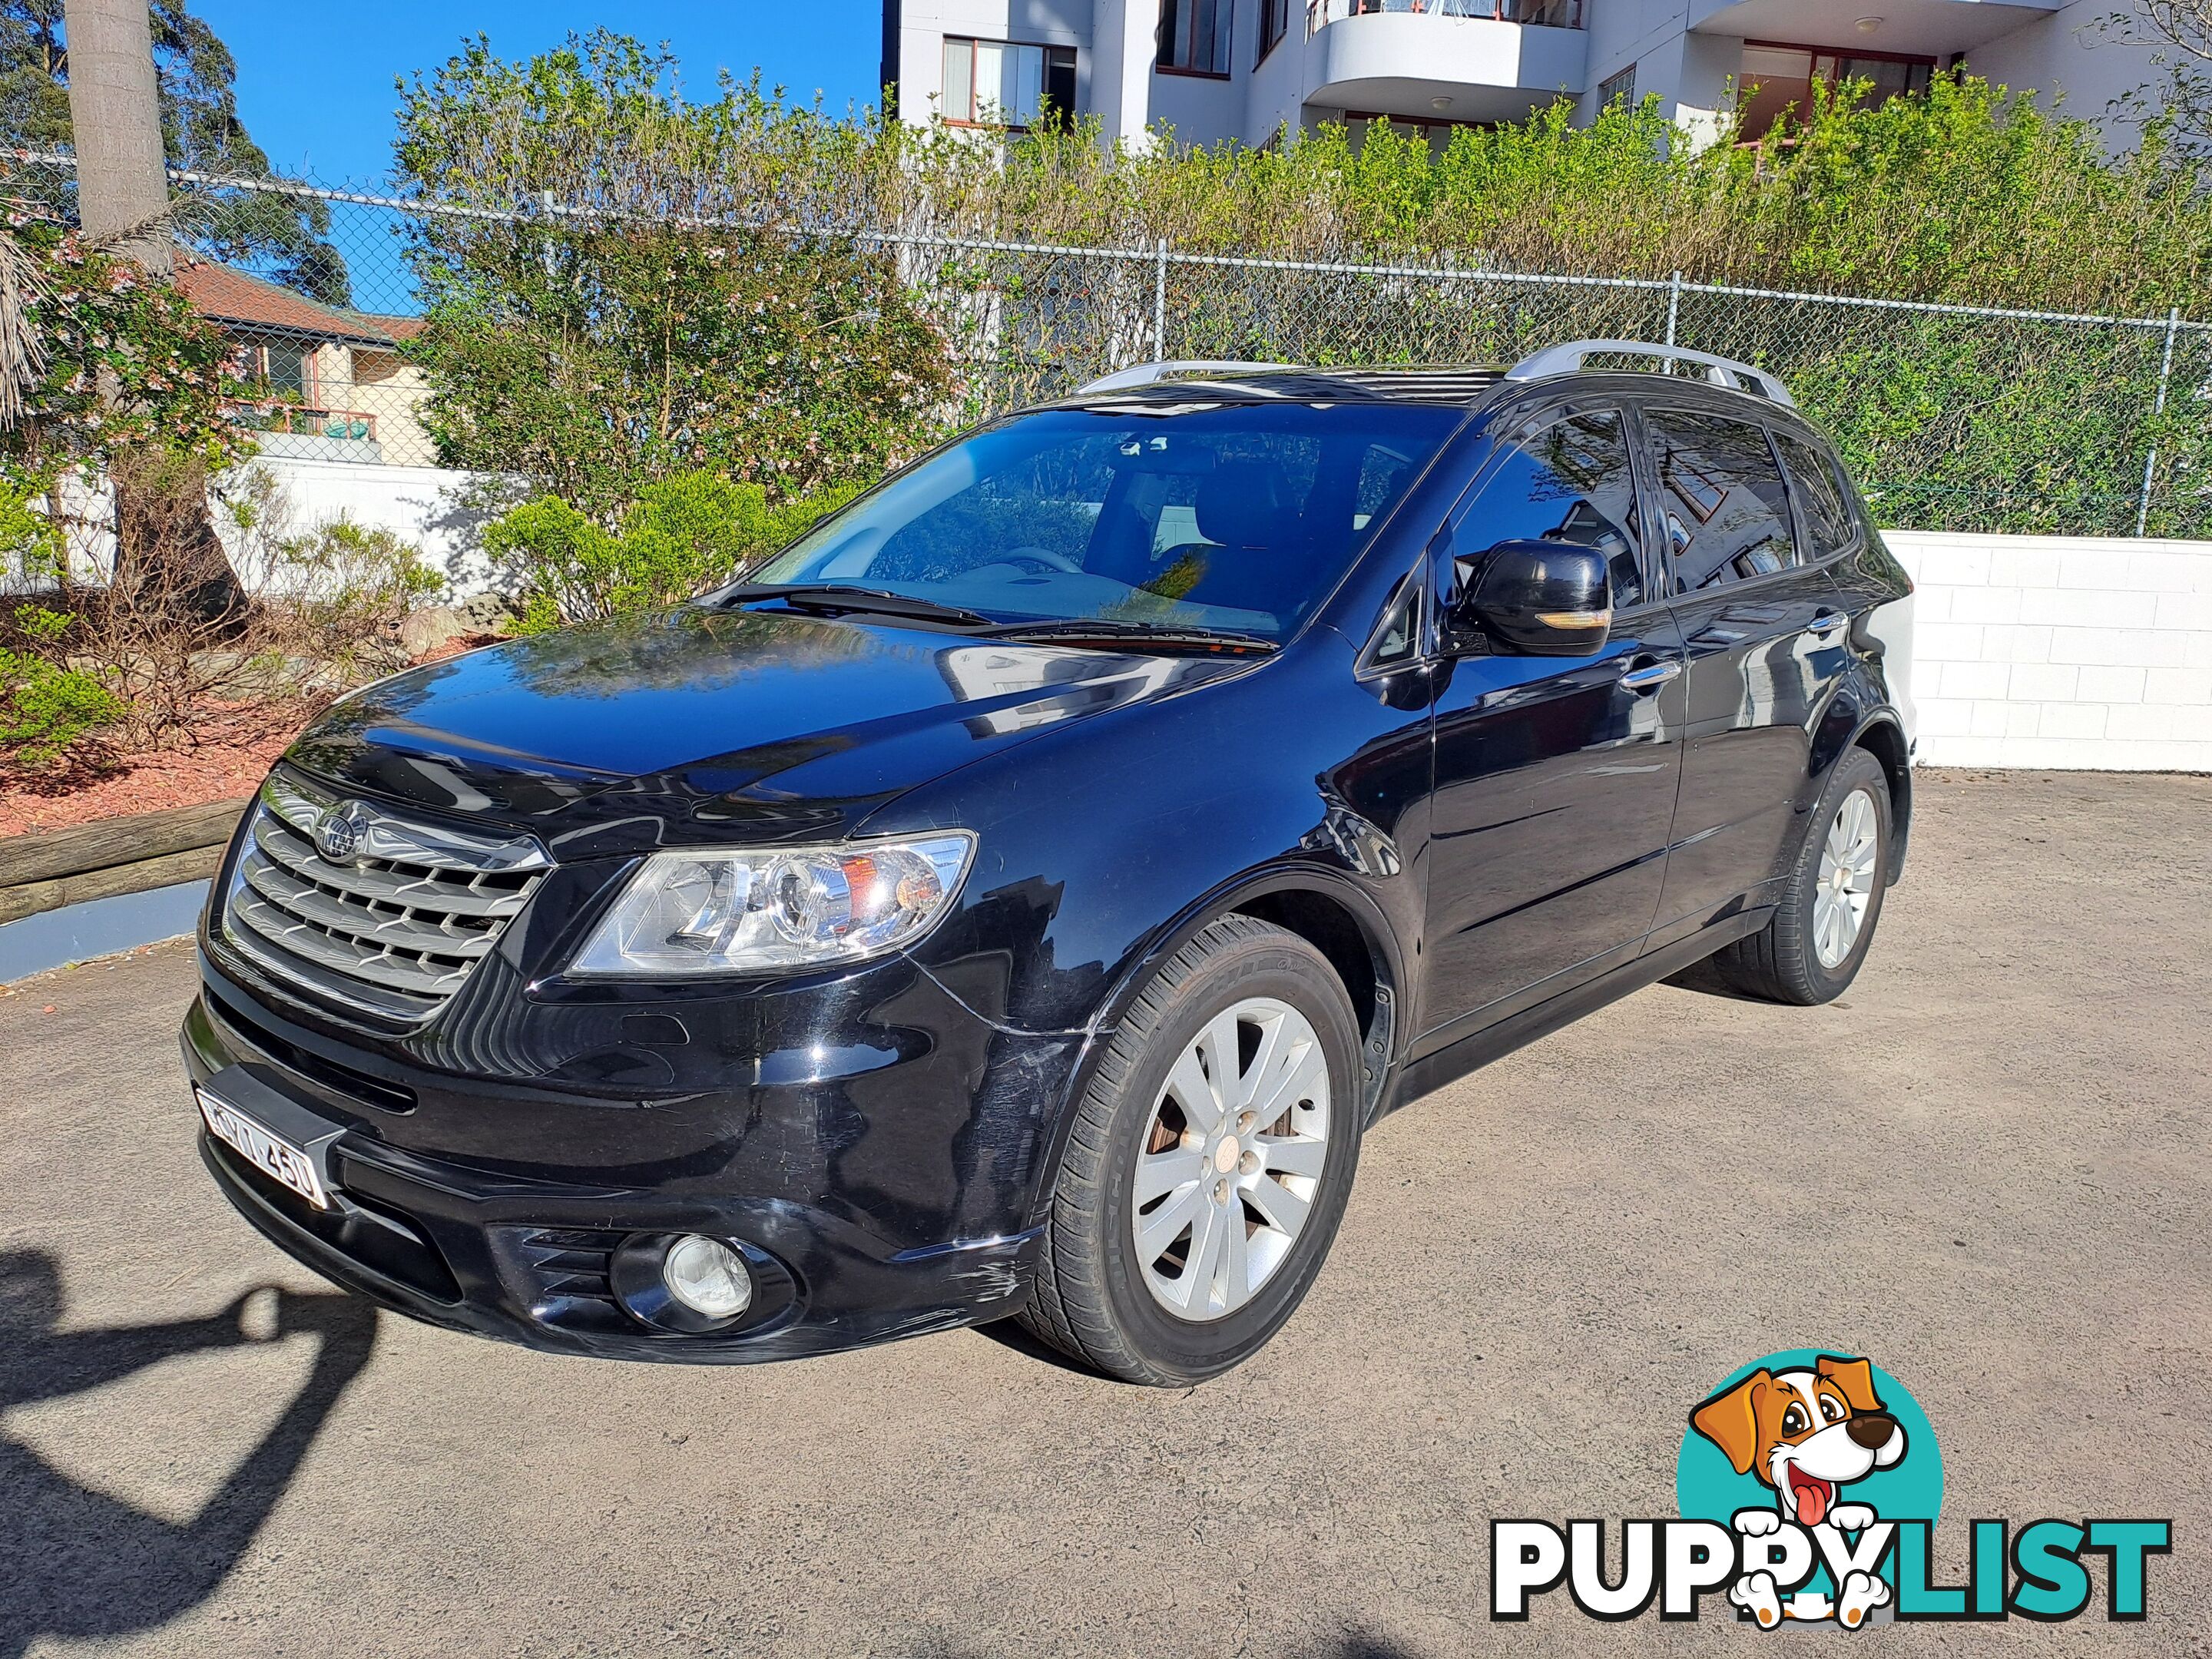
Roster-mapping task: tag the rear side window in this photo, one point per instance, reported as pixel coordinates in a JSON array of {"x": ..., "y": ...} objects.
[
  {"x": 1727, "y": 514},
  {"x": 1565, "y": 480},
  {"x": 1822, "y": 506}
]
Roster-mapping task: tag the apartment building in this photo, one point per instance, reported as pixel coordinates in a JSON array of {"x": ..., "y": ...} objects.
[{"x": 1221, "y": 69}]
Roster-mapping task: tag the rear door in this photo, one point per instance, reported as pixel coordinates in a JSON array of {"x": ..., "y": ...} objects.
[
  {"x": 1555, "y": 776},
  {"x": 1765, "y": 633}
]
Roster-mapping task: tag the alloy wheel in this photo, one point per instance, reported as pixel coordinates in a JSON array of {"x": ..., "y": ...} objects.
[
  {"x": 1231, "y": 1159},
  {"x": 1845, "y": 887}
]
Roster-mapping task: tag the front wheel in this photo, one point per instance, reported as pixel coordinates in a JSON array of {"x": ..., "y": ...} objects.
[
  {"x": 1208, "y": 1163},
  {"x": 1812, "y": 948}
]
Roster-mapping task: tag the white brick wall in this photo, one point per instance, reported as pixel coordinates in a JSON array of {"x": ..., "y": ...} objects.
[{"x": 2055, "y": 651}]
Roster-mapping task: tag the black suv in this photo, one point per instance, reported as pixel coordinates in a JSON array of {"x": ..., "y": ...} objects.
[{"x": 1017, "y": 897}]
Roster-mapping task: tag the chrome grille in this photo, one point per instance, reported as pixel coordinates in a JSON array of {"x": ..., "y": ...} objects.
[{"x": 369, "y": 907}]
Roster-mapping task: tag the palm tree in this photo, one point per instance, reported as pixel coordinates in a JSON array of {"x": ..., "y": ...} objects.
[
  {"x": 22, "y": 354},
  {"x": 164, "y": 543}
]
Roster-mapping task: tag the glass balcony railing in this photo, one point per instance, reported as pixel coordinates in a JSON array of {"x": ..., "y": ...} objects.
[
  {"x": 299, "y": 420},
  {"x": 1548, "y": 14}
]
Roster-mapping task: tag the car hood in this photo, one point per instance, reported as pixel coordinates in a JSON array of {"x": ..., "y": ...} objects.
[{"x": 736, "y": 723}]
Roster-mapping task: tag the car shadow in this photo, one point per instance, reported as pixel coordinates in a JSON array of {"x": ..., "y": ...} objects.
[
  {"x": 1705, "y": 979},
  {"x": 1007, "y": 1334},
  {"x": 81, "y": 1565}
]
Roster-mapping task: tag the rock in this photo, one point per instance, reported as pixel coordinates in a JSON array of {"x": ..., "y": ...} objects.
[
  {"x": 488, "y": 613},
  {"x": 424, "y": 631}
]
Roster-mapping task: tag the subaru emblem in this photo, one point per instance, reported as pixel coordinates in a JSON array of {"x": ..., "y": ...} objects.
[{"x": 338, "y": 832}]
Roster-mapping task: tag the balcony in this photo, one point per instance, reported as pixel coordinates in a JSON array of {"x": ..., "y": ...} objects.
[
  {"x": 1928, "y": 29},
  {"x": 1546, "y": 14},
  {"x": 1443, "y": 60},
  {"x": 316, "y": 434}
]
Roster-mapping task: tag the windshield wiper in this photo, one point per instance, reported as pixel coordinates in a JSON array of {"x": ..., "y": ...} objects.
[
  {"x": 1128, "y": 631},
  {"x": 835, "y": 596}
]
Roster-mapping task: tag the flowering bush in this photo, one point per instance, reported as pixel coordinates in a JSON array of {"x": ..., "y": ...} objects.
[
  {"x": 652, "y": 326},
  {"x": 682, "y": 535},
  {"x": 129, "y": 366}
]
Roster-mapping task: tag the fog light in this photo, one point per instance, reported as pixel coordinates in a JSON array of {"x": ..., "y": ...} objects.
[{"x": 707, "y": 1277}]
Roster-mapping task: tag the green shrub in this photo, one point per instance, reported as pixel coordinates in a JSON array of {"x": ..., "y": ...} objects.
[
  {"x": 348, "y": 588},
  {"x": 46, "y": 706},
  {"x": 682, "y": 535}
]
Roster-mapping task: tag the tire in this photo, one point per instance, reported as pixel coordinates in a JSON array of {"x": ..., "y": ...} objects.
[
  {"x": 1789, "y": 959},
  {"x": 1103, "y": 1297}
]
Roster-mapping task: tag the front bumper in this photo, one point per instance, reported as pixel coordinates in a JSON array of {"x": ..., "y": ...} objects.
[{"x": 523, "y": 1253}]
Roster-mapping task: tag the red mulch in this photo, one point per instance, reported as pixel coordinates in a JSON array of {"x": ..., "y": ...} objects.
[
  {"x": 227, "y": 764},
  {"x": 234, "y": 751},
  {"x": 458, "y": 646}
]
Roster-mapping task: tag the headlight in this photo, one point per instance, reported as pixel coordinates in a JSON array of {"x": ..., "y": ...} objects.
[{"x": 756, "y": 912}]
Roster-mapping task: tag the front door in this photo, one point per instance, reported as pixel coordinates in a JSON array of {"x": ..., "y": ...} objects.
[
  {"x": 1765, "y": 631},
  {"x": 1555, "y": 776}
]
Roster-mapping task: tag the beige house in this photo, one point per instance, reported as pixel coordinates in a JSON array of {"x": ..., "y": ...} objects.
[{"x": 322, "y": 383}]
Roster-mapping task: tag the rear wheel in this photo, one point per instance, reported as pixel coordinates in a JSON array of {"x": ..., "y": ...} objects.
[
  {"x": 1208, "y": 1163},
  {"x": 1812, "y": 947}
]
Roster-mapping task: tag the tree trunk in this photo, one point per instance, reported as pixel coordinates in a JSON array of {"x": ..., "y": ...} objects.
[
  {"x": 123, "y": 194},
  {"x": 115, "y": 120}
]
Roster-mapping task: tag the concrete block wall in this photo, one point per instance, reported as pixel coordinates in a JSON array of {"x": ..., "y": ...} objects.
[{"x": 2061, "y": 652}]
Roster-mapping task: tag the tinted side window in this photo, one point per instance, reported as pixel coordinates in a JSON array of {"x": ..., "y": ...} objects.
[
  {"x": 1566, "y": 480},
  {"x": 1727, "y": 515},
  {"x": 1828, "y": 516},
  {"x": 1399, "y": 638}
]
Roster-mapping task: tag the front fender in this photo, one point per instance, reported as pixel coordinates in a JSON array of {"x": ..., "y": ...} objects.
[{"x": 1103, "y": 848}]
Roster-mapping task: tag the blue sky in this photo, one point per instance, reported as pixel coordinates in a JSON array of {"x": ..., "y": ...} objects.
[{"x": 315, "y": 82}]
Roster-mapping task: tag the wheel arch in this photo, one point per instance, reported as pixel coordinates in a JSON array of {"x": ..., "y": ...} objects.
[
  {"x": 1329, "y": 912},
  {"x": 1882, "y": 736},
  {"x": 1859, "y": 716}
]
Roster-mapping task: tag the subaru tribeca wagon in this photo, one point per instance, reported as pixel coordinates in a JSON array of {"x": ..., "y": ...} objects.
[{"x": 1018, "y": 897}]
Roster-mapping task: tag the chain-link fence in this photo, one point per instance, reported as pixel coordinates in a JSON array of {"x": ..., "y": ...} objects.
[{"x": 1954, "y": 417}]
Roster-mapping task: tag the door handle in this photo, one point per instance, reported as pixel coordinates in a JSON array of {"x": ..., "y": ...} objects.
[
  {"x": 1650, "y": 675},
  {"x": 1827, "y": 622}
]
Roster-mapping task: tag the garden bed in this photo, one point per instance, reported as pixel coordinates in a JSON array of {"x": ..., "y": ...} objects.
[{"x": 224, "y": 766}]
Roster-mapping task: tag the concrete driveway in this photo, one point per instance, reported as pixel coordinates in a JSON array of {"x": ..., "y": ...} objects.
[{"x": 1986, "y": 1167}]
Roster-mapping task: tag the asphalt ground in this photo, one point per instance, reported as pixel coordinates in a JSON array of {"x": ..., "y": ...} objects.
[{"x": 1986, "y": 1168}]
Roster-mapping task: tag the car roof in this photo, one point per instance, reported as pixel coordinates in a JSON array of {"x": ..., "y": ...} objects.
[
  {"x": 1461, "y": 386},
  {"x": 1457, "y": 386}
]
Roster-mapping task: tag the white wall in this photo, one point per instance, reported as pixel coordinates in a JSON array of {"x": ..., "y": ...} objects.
[
  {"x": 2074, "y": 59},
  {"x": 923, "y": 24},
  {"x": 424, "y": 504},
  {"x": 432, "y": 508},
  {"x": 2062, "y": 651}
]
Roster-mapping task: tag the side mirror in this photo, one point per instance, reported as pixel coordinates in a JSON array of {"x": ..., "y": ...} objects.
[{"x": 1542, "y": 598}]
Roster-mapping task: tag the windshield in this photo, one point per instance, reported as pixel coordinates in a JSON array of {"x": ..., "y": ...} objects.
[{"x": 1235, "y": 517}]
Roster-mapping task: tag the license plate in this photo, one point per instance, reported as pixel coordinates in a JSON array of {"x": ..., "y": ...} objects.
[{"x": 274, "y": 1156}]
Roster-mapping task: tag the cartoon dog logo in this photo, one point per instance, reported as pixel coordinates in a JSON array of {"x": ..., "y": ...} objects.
[{"x": 1806, "y": 1434}]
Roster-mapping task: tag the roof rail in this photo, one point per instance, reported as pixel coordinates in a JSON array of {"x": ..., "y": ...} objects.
[
  {"x": 1721, "y": 371},
  {"x": 1145, "y": 374}
]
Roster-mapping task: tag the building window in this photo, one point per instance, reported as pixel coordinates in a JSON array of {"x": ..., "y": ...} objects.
[
  {"x": 1775, "y": 78},
  {"x": 1621, "y": 87},
  {"x": 275, "y": 366},
  {"x": 1274, "y": 24},
  {"x": 1195, "y": 37},
  {"x": 992, "y": 82},
  {"x": 1435, "y": 130}
]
